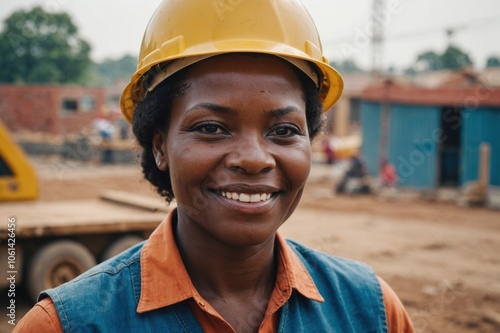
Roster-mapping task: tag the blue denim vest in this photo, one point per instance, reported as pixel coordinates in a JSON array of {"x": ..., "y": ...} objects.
[{"x": 105, "y": 298}]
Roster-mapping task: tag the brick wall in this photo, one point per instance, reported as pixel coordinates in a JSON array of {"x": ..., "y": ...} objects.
[{"x": 50, "y": 109}]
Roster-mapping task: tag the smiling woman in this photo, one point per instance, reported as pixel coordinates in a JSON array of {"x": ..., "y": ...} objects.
[
  {"x": 242, "y": 118},
  {"x": 225, "y": 104}
]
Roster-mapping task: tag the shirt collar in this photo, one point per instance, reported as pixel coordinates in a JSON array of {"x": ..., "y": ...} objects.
[
  {"x": 162, "y": 265},
  {"x": 294, "y": 272}
]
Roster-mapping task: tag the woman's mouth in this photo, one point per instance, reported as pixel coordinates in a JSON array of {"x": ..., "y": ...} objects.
[{"x": 246, "y": 197}]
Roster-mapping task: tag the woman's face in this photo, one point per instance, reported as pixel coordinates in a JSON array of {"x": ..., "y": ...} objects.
[{"x": 237, "y": 148}]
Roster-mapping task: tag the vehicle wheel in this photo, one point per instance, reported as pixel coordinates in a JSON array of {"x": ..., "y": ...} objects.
[
  {"x": 120, "y": 245},
  {"x": 57, "y": 263}
]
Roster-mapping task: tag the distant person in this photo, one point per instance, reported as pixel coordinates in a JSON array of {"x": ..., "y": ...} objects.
[
  {"x": 357, "y": 167},
  {"x": 388, "y": 179},
  {"x": 225, "y": 105},
  {"x": 124, "y": 129},
  {"x": 104, "y": 127},
  {"x": 328, "y": 151},
  {"x": 388, "y": 175},
  {"x": 354, "y": 180},
  {"x": 106, "y": 132}
]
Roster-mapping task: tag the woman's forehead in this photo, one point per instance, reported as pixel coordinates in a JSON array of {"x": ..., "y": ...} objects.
[
  {"x": 242, "y": 83},
  {"x": 243, "y": 69}
]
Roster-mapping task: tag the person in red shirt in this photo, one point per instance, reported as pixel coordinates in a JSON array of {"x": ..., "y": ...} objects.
[
  {"x": 388, "y": 175},
  {"x": 388, "y": 179}
]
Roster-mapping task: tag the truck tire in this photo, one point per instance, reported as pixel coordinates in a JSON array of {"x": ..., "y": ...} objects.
[
  {"x": 120, "y": 245},
  {"x": 57, "y": 263}
]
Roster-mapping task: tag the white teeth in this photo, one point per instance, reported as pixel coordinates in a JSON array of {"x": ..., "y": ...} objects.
[
  {"x": 255, "y": 198},
  {"x": 245, "y": 197}
]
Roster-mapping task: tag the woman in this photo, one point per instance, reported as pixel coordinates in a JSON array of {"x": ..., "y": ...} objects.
[{"x": 225, "y": 103}]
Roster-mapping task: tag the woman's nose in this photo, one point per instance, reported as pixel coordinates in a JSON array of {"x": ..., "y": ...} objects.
[{"x": 249, "y": 153}]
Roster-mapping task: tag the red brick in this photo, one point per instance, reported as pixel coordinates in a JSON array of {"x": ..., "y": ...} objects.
[{"x": 39, "y": 108}]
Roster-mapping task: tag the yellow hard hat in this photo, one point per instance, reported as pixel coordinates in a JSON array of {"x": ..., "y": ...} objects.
[{"x": 184, "y": 29}]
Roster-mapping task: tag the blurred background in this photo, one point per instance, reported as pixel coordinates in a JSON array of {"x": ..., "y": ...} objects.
[{"x": 406, "y": 175}]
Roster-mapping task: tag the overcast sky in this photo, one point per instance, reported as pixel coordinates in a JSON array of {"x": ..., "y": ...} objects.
[{"x": 115, "y": 27}]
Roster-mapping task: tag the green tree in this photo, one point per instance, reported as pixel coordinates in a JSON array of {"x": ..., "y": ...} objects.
[
  {"x": 452, "y": 58},
  {"x": 346, "y": 66},
  {"x": 110, "y": 70},
  {"x": 41, "y": 47},
  {"x": 410, "y": 71},
  {"x": 493, "y": 61},
  {"x": 429, "y": 61}
]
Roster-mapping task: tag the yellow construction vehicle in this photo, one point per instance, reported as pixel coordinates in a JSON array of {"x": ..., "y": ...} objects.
[{"x": 17, "y": 177}]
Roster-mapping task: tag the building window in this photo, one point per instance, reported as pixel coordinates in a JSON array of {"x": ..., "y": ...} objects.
[
  {"x": 87, "y": 104},
  {"x": 69, "y": 106}
]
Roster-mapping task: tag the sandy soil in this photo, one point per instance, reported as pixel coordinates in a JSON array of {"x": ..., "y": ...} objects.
[{"x": 442, "y": 260}]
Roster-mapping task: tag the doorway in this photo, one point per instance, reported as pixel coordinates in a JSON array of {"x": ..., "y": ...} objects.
[{"x": 450, "y": 147}]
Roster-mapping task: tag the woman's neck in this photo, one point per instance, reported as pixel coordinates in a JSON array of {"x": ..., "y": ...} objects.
[{"x": 223, "y": 270}]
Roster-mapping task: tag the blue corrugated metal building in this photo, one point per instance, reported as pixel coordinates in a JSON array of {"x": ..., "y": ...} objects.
[{"x": 431, "y": 136}]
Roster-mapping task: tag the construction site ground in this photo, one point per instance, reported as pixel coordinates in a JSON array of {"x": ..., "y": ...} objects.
[{"x": 443, "y": 260}]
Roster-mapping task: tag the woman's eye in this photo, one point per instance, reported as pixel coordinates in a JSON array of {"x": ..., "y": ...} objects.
[
  {"x": 285, "y": 131},
  {"x": 211, "y": 129}
]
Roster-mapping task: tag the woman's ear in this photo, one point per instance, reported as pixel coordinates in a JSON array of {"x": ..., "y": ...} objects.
[{"x": 159, "y": 150}]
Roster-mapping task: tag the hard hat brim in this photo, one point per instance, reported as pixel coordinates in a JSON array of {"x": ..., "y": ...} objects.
[{"x": 331, "y": 86}]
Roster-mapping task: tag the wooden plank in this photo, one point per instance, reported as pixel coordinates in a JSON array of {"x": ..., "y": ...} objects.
[
  {"x": 135, "y": 200},
  {"x": 75, "y": 216}
]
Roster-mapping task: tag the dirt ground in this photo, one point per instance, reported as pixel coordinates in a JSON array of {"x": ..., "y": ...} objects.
[{"x": 442, "y": 260}]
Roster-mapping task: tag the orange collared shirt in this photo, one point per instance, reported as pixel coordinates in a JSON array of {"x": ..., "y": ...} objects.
[{"x": 160, "y": 257}]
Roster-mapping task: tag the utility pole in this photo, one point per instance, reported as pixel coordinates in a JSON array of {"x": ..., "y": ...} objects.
[
  {"x": 377, "y": 75},
  {"x": 377, "y": 38}
]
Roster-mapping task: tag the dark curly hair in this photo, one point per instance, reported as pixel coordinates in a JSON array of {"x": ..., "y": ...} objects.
[{"x": 152, "y": 114}]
